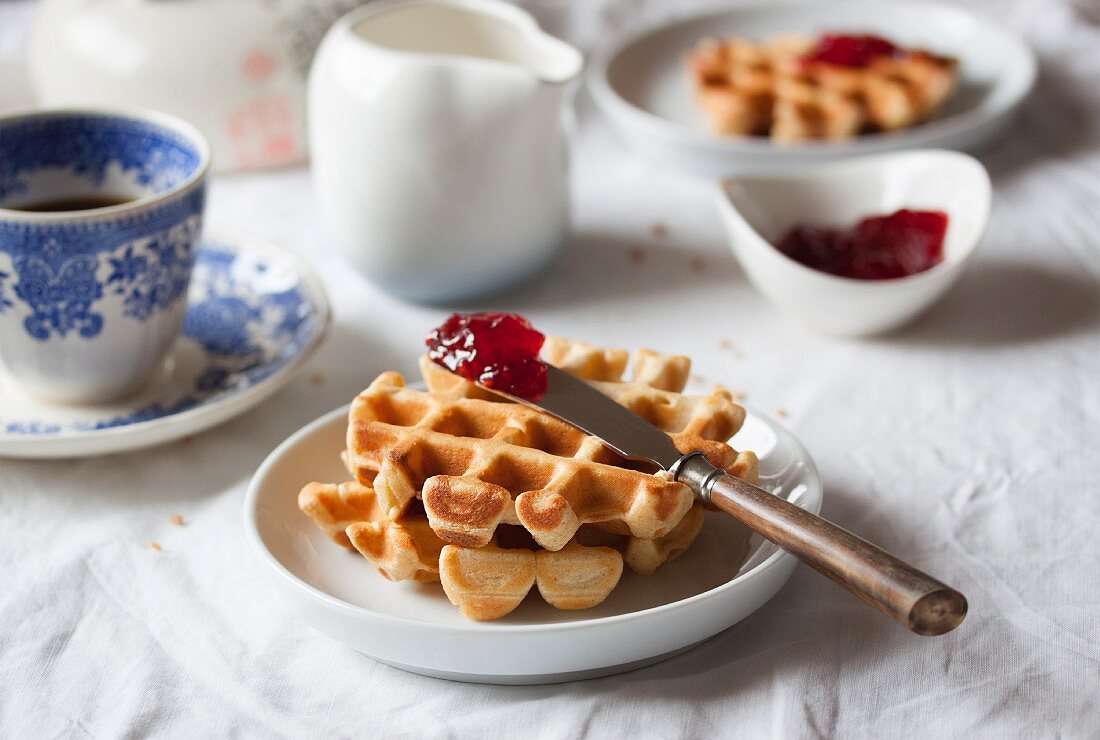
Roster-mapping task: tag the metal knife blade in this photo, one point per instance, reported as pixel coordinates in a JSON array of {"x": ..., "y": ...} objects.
[{"x": 577, "y": 403}]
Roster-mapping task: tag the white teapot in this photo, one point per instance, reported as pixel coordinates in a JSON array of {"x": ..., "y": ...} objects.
[
  {"x": 234, "y": 68},
  {"x": 438, "y": 144}
]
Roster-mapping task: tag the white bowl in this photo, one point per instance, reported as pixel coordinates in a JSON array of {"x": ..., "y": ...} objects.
[
  {"x": 758, "y": 210},
  {"x": 640, "y": 84},
  {"x": 414, "y": 627}
]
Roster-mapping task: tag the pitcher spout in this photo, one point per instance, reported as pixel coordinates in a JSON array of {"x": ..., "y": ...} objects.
[{"x": 551, "y": 59}]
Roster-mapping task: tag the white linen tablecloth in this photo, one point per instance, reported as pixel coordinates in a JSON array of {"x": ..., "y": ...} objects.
[{"x": 968, "y": 443}]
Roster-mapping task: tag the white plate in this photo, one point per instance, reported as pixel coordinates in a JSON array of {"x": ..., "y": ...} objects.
[
  {"x": 640, "y": 84},
  {"x": 414, "y": 627},
  {"x": 255, "y": 314}
]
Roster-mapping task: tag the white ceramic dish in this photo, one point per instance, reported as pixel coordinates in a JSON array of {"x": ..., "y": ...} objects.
[
  {"x": 414, "y": 627},
  {"x": 409, "y": 104},
  {"x": 757, "y": 211},
  {"x": 640, "y": 84},
  {"x": 255, "y": 313}
]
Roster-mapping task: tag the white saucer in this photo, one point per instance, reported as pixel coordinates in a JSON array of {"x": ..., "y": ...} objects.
[
  {"x": 255, "y": 314},
  {"x": 640, "y": 84},
  {"x": 414, "y": 627}
]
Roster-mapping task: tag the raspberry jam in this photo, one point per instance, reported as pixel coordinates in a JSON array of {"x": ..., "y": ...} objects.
[
  {"x": 877, "y": 248},
  {"x": 498, "y": 350},
  {"x": 850, "y": 50}
]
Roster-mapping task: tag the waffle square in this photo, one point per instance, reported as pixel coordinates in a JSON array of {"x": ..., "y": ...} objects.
[{"x": 768, "y": 89}]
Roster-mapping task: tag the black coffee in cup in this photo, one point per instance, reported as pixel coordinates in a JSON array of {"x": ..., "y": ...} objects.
[{"x": 85, "y": 203}]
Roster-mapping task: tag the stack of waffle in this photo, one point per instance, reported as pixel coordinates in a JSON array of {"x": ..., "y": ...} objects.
[
  {"x": 770, "y": 89},
  {"x": 492, "y": 498}
]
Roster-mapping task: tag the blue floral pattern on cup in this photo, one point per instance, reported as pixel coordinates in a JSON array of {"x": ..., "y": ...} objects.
[
  {"x": 4, "y": 301},
  {"x": 245, "y": 330},
  {"x": 61, "y": 289},
  {"x": 60, "y": 300},
  {"x": 155, "y": 279}
]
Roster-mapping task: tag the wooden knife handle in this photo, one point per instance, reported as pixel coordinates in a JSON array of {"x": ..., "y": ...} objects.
[{"x": 923, "y": 604}]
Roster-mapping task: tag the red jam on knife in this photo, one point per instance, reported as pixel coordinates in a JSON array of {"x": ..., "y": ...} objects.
[
  {"x": 850, "y": 50},
  {"x": 877, "y": 248},
  {"x": 497, "y": 350}
]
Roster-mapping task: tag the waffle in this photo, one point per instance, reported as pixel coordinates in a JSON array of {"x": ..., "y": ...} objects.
[
  {"x": 339, "y": 510},
  {"x": 482, "y": 463},
  {"x": 645, "y": 556},
  {"x": 489, "y": 582},
  {"x": 654, "y": 392},
  {"x": 494, "y": 498},
  {"x": 350, "y": 515},
  {"x": 767, "y": 89}
]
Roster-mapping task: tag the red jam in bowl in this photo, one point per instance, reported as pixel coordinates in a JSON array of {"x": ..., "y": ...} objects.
[
  {"x": 877, "y": 248},
  {"x": 850, "y": 50},
  {"x": 498, "y": 350}
]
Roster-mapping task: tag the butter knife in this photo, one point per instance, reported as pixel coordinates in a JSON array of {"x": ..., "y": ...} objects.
[{"x": 915, "y": 599}]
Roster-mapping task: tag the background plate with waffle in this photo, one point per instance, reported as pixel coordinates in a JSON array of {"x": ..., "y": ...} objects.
[{"x": 639, "y": 82}]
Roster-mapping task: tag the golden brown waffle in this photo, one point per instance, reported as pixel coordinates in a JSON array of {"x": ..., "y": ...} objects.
[
  {"x": 516, "y": 465},
  {"x": 408, "y": 549},
  {"x": 489, "y": 582},
  {"x": 654, "y": 392},
  {"x": 401, "y": 550},
  {"x": 337, "y": 509},
  {"x": 479, "y": 466},
  {"x": 766, "y": 89},
  {"x": 645, "y": 556},
  {"x": 479, "y": 463}
]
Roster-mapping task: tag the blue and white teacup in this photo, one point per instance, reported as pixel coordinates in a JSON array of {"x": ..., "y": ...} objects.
[{"x": 100, "y": 213}]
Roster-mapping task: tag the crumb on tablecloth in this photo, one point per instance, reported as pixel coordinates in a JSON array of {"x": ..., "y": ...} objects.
[
  {"x": 177, "y": 519},
  {"x": 727, "y": 345},
  {"x": 658, "y": 230},
  {"x": 156, "y": 546},
  {"x": 636, "y": 255},
  {"x": 782, "y": 413},
  {"x": 317, "y": 379}
]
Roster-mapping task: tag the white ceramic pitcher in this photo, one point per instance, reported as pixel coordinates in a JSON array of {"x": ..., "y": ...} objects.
[{"x": 438, "y": 144}]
